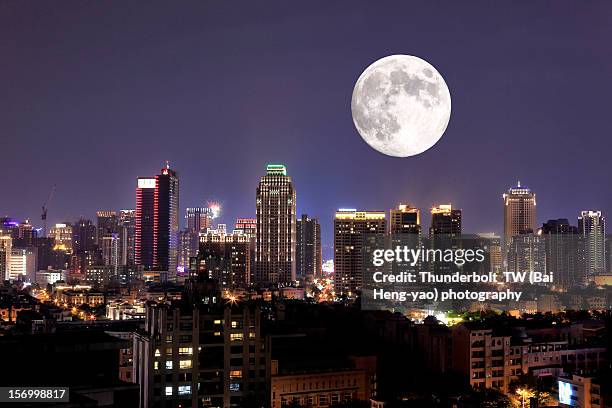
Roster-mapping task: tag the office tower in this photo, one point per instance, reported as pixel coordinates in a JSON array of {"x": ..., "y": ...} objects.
[
  {"x": 6, "y": 244},
  {"x": 225, "y": 257},
  {"x": 110, "y": 248},
  {"x": 61, "y": 234},
  {"x": 83, "y": 236},
  {"x": 22, "y": 264},
  {"x": 188, "y": 247},
  {"x": 127, "y": 237},
  {"x": 157, "y": 226},
  {"x": 404, "y": 220},
  {"x": 564, "y": 253},
  {"x": 592, "y": 226},
  {"x": 275, "y": 236},
  {"x": 494, "y": 249},
  {"x": 309, "y": 261},
  {"x": 445, "y": 221},
  {"x": 24, "y": 234},
  {"x": 107, "y": 224},
  {"x": 519, "y": 213},
  {"x": 350, "y": 227},
  {"x": 527, "y": 253},
  {"x": 208, "y": 355},
  {"x": 198, "y": 219},
  {"x": 247, "y": 226}
]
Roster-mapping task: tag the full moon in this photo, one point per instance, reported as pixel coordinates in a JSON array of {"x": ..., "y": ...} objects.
[{"x": 401, "y": 105}]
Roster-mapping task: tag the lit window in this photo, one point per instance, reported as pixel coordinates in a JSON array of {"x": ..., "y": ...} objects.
[
  {"x": 235, "y": 373},
  {"x": 157, "y": 353},
  {"x": 168, "y": 365},
  {"x": 186, "y": 350},
  {"x": 184, "y": 389},
  {"x": 156, "y": 365},
  {"x": 251, "y": 335},
  {"x": 217, "y": 322},
  {"x": 236, "y": 337},
  {"x": 217, "y": 333},
  {"x": 185, "y": 364},
  {"x": 169, "y": 390},
  {"x": 234, "y": 324}
]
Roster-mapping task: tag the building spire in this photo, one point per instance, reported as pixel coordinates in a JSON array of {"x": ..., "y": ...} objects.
[{"x": 518, "y": 183}]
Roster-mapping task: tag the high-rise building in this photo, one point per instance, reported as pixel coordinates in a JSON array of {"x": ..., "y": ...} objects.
[
  {"x": 22, "y": 264},
  {"x": 276, "y": 227},
  {"x": 198, "y": 219},
  {"x": 61, "y": 234},
  {"x": 83, "y": 236},
  {"x": 592, "y": 226},
  {"x": 225, "y": 257},
  {"x": 527, "y": 253},
  {"x": 188, "y": 247},
  {"x": 110, "y": 248},
  {"x": 6, "y": 243},
  {"x": 157, "y": 226},
  {"x": 445, "y": 220},
  {"x": 519, "y": 213},
  {"x": 492, "y": 243},
  {"x": 564, "y": 253},
  {"x": 247, "y": 226},
  {"x": 349, "y": 229},
  {"x": 127, "y": 237},
  {"x": 107, "y": 224},
  {"x": 207, "y": 355},
  {"x": 309, "y": 262},
  {"x": 405, "y": 220}
]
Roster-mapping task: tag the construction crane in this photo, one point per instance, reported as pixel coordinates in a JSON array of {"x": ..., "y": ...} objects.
[{"x": 43, "y": 216}]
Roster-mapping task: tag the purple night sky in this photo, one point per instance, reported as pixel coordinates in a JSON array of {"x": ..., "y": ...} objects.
[{"x": 95, "y": 94}]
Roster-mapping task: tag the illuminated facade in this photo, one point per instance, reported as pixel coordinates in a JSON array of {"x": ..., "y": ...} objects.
[
  {"x": 198, "y": 219},
  {"x": 107, "y": 224},
  {"x": 405, "y": 220},
  {"x": 445, "y": 220},
  {"x": 592, "y": 227},
  {"x": 349, "y": 227},
  {"x": 226, "y": 257},
  {"x": 275, "y": 240},
  {"x": 519, "y": 213},
  {"x": 157, "y": 226},
  {"x": 6, "y": 244},
  {"x": 62, "y": 237},
  {"x": 127, "y": 236}
]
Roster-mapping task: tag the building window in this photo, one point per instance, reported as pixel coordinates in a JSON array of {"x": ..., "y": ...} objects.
[
  {"x": 236, "y": 336},
  {"x": 186, "y": 350},
  {"x": 168, "y": 365},
  {"x": 156, "y": 365},
  {"x": 184, "y": 389},
  {"x": 185, "y": 364},
  {"x": 157, "y": 353},
  {"x": 168, "y": 390},
  {"x": 236, "y": 374}
]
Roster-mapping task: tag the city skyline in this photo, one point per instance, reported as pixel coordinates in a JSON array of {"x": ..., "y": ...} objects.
[{"x": 515, "y": 116}]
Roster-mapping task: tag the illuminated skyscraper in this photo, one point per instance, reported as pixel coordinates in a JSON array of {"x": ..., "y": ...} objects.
[
  {"x": 127, "y": 237},
  {"x": 349, "y": 227},
  {"x": 107, "y": 225},
  {"x": 405, "y": 220},
  {"x": 6, "y": 243},
  {"x": 225, "y": 257},
  {"x": 445, "y": 220},
  {"x": 309, "y": 261},
  {"x": 276, "y": 227},
  {"x": 519, "y": 213},
  {"x": 198, "y": 219},
  {"x": 564, "y": 253},
  {"x": 157, "y": 226},
  {"x": 592, "y": 226}
]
